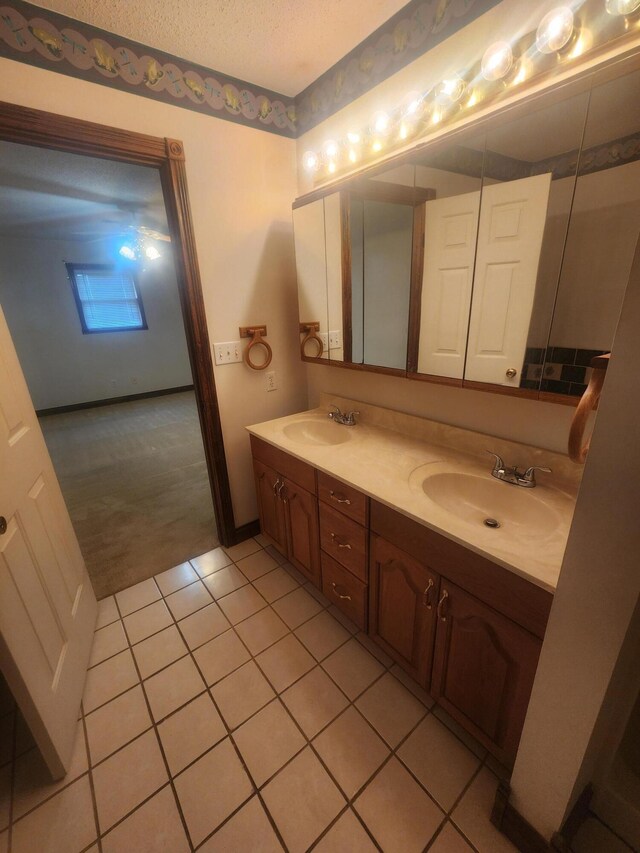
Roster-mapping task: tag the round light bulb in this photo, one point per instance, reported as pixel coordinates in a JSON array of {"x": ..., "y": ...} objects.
[
  {"x": 622, "y": 7},
  {"x": 404, "y": 131},
  {"x": 555, "y": 30},
  {"x": 377, "y": 146},
  {"x": 310, "y": 161},
  {"x": 380, "y": 122},
  {"x": 451, "y": 90},
  {"x": 331, "y": 148},
  {"x": 497, "y": 61},
  {"x": 353, "y": 138},
  {"x": 353, "y": 155},
  {"x": 332, "y": 166},
  {"x": 152, "y": 253}
]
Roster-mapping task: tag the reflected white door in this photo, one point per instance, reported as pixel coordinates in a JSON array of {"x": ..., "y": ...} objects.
[
  {"x": 47, "y": 606},
  {"x": 512, "y": 221},
  {"x": 451, "y": 227}
]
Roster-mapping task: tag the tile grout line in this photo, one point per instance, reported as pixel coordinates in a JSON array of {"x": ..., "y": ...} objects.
[{"x": 94, "y": 800}]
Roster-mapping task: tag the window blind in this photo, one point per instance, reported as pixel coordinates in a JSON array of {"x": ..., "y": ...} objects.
[{"x": 108, "y": 299}]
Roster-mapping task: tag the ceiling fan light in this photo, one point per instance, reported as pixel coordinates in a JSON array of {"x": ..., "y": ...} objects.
[
  {"x": 127, "y": 252},
  {"x": 152, "y": 253}
]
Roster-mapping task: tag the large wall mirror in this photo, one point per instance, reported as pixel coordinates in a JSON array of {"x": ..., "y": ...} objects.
[{"x": 497, "y": 259}]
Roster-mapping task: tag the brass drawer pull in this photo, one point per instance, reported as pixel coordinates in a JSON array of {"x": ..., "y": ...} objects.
[
  {"x": 426, "y": 595},
  {"x": 441, "y": 615},
  {"x": 335, "y": 589},
  {"x": 340, "y": 544},
  {"x": 275, "y": 486},
  {"x": 334, "y": 497}
]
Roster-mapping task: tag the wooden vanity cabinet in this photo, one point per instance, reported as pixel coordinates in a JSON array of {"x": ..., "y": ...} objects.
[{"x": 288, "y": 506}]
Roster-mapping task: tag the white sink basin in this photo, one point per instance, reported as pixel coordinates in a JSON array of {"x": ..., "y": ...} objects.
[
  {"x": 480, "y": 500},
  {"x": 317, "y": 432}
]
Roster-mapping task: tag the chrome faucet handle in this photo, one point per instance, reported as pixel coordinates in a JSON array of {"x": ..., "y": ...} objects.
[
  {"x": 529, "y": 474},
  {"x": 336, "y": 411},
  {"x": 499, "y": 464}
]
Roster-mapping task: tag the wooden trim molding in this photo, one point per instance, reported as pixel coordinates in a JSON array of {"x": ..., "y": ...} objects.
[
  {"x": 47, "y": 130},
  {"x": 112, "y": 401},
  {"x": 511, "y": 823}
]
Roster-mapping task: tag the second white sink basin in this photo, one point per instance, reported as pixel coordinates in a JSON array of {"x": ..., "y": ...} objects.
[{"x": 317, "y": 432}]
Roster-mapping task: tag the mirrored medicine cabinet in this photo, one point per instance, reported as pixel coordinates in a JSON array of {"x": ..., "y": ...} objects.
[{"x": 495, "y": 259}]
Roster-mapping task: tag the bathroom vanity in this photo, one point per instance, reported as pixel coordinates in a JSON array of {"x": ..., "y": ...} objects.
[{"x": 387, "y": 519}]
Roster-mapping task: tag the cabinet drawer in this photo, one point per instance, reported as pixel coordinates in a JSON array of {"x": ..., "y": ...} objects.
[
  {"x": 345, "y": 590},
  {"x": 290, "y": 467},
  {"x": 345, "y": 498},
  {"x": 344, "y": 540}
]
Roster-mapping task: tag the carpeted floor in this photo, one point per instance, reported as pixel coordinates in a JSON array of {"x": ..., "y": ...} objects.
[{"x": 135, "y": 482}]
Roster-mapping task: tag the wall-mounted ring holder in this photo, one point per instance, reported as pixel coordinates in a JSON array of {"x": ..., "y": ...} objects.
[
  {"x": 256, "y": 334},
  {"x": 578, "y": 448},
  {"x": 311, "y": 330}
]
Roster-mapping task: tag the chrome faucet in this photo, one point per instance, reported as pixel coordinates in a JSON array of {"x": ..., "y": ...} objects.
[
  {"x": 507, "y": 474},
  {"x": 347, "y": 419}
]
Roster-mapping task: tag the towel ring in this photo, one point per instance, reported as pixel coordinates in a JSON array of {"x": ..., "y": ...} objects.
[
  {"x": 578, "y": 448},
  {"x": 256, "y": 333},
  {"x": 311, "y": 330}
]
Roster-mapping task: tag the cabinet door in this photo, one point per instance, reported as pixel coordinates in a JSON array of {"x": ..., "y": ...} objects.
[
  {"x": 303, "y": 540},
  {"x": 270, "y": 507},
  {"x": 402, "y": 600},
  {"x": 483, "y": 669}
]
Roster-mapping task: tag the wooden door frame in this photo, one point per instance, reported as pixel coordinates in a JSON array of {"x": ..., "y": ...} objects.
[{"x": 49, "y": 130}]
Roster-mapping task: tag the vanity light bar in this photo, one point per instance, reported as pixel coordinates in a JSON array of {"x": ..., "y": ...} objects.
[{"x": 561, "y": 36}]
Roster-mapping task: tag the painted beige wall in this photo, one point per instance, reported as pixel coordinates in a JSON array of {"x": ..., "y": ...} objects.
[{"x": 241, "y": 184}]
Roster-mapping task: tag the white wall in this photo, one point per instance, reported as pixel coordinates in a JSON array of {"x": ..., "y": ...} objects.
[
  {"x": 62, "y": 365},
  {"x": 241, "y": 185}
]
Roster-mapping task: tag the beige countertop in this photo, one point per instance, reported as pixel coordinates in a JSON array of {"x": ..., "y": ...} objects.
[{"x": 388, "y": 454}]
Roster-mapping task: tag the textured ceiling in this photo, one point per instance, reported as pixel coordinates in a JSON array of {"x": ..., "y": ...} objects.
[{"x": 282, "y": 45}]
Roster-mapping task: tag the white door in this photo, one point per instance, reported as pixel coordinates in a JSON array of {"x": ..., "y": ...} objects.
[
  {"x": 512, "y": 220},
  {"x": 47, "y": 606},
  {"x": 451, "y": 228}
]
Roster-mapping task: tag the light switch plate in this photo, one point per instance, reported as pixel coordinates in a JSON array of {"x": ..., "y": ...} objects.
[
  {"x": 335, "y": 340},
  {"x": 272, "y": 384},
  {"x": 228, "y": 352}
]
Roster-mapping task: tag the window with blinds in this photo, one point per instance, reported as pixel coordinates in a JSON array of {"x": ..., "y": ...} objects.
[{"x": 107, "y": 298}]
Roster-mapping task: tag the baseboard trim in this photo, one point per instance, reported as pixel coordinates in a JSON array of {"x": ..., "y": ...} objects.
[
  {"x": 92, "y": 404},
  {"x": 246, "y": 531},
  {"x": 511, "y": 823}
]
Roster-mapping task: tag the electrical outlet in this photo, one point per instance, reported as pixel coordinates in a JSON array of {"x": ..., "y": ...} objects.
[
  {"x": 227, "y": 353},
  {"x": 335, "y": 340},
  {"x": 272, "y": 385}
]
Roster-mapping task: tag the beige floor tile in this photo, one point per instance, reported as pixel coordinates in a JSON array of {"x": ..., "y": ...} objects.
[
  {"x": 127, "y": 778},
  {"x": 212, "y": 561},
  {"x": 107, "y": 612},
  {"x": 322, "y": 635},
  {"x": 108, "y": 679},
  {"x": 303, "y": 800},
  {"x": 190, "y": 732},
  {"x": 241, "y": 694},
  {"x": 345, "y": 835},
  {"x": 156, "y": 652},
  {"x": 256, "y": 565},
  {"x": 275, "y": 584},
  {"x": 211, "y": 789},
  {"x": 173, "y": 687},
  {"x": 154, "y": 827},
  {"x": 391, "y": 709},
  {"x": 137, "y": 596},
  {"x": 248, "y": 830},
  {"x": 437, "y": 758},
  {"x": 261, "y": 630},
  {"x": 175, "y": 578},
  {"x": 220, "y": 656},
  {"x": 400, "y": 816},
  {"x": 267, "y": 741},
  {"x": 32, "y": 783},
  {"x": 352, "y": 668},
  {"x": 313, "y": 590},
  {"x": 411, "y": 685},
  {"x": 187, "y": 600},
  {"x": 459, "y": 732},
  {"x": 314, "y": 701},
  {"x": 262, "y": 540},
  {"x": 64, "y": 824},
  {"x": 351, "y": 750},
  {"x": 449, "y": 840},
  {"x": 285, "y": 662},
  {"x": 225, "y": 581},
  {"x": 243, "y": 549},
  {"x": 107, "y": 642},
  {"x": 203, "y": 625},
  {"x": 351, "y": 627},
  {"x": 288, "y": 567},
  {"x": 374, "y": 649},
  {"x": 147, "y": 621},
  {"x": 117, "y": 723},
  {"x": 241, "y": 604},
  {"x": 278, "y": 556},
  {"x": 297, "y": 607},
  {"x": 472, "y": 814}
]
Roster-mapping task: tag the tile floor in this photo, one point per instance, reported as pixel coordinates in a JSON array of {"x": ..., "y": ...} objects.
[{"x": 230, "y": 707}]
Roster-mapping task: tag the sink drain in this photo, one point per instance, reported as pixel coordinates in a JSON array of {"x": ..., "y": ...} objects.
[{"x": 491, "y": 522}]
